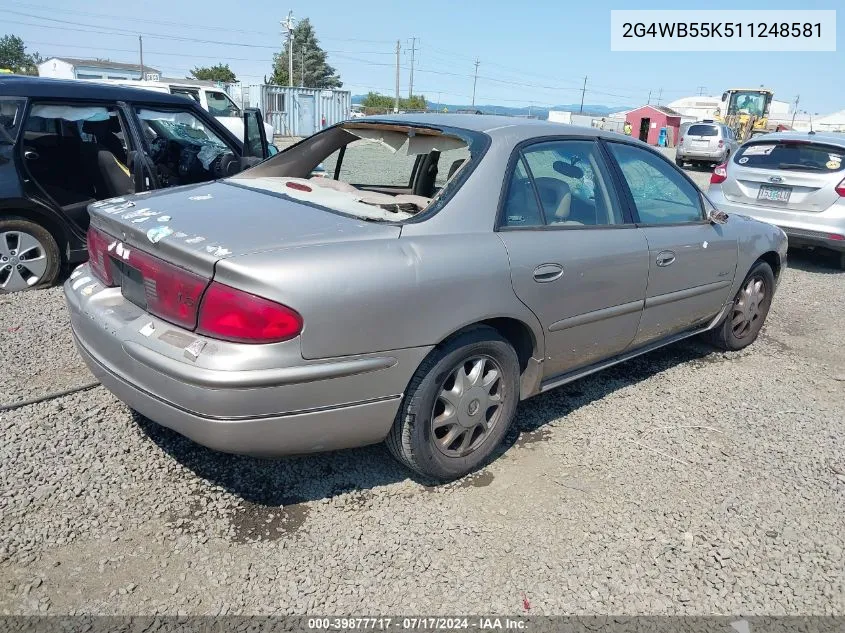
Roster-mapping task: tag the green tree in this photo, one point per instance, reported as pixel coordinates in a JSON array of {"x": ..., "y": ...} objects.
[
  {"x": 309, "y": 61},
  {"x": 376, "y": 101},
  {"x": 219, "y": 72},
  {"x": 13, "y": 56}
]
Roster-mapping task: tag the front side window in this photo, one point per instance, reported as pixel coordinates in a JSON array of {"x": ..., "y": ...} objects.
[
  {"x": 661, "y": 193},
  {"x": 183, "y": 148},
  {"x": 220, "y": 104}
]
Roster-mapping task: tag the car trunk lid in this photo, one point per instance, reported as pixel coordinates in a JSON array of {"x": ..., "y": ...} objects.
[
  {"x": 194, "y": 227},
  {"x": 785, "y": 175}
]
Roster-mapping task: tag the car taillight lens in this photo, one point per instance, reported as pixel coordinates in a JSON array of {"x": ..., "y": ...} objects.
[
  {"x": 233, "y": 315},
  {"x": 98, "y": 255},
  {"x": 680, "y": 140},
  {"x": 840, "y": 188},
  {"x": 720, "y": 174},
  {"x": 171, "y": 293},
  {"x": 836, "y": 236},
  {"x": 721, "y": 143}
]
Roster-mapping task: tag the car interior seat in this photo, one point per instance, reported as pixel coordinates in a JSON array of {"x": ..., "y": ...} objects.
[
  {"x": 556, "y": 197},
  {"x": 111, "y": 174},
  {"x": 456, "y": 165},
  {"x": 425, "y": 185}
]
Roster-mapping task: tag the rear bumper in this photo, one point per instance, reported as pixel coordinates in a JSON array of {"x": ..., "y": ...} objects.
[
  {"x": 802, "y": 228},
  {"x": 692, "y": 154},
  {"x": 265, "y": 407}
]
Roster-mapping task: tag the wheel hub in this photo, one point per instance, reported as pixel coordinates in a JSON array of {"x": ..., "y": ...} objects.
[{"x": 468, "y": 406}]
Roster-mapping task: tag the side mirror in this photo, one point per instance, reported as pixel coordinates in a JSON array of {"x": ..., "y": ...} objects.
[
  {"x": 255, "y": 138},
  {"x": 714, "y": 216},
  {"x": 724, "y": 96}
]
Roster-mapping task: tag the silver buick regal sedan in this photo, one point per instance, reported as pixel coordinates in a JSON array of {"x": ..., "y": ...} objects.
[{"x": 438, "y": 271}]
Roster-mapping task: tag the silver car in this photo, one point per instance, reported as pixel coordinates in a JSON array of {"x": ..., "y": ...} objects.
[
  {"x": 793, "y": 180},
  {"x": 705, "y": 144},
  {"x": 449, "y": 267}
]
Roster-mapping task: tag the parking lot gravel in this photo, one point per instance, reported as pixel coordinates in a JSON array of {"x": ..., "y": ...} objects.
[{"x": 687, "y": 481}]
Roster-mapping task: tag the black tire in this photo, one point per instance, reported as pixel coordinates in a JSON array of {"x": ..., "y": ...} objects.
[
  {"x": 729, "y": 335},
  {"x": 413, "y": 441},
  {"x": 47, "y": 241},
  {"x": 679, "y": 163}
]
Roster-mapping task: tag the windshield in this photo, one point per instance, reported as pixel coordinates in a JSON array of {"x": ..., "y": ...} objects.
[
  {"x": 792, "y": 156},
  {"x": 703, "y": 130},
  {"x": 751, "y": 103}
]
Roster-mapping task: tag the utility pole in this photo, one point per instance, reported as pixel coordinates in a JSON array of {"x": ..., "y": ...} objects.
[
  {"x": 659, "y": 96},
  {"x": 649, "y": 98},
  {"x": 411, "y": 79},
  {"x": 795, "y": 110},
  {"x": 287, "y": 24},
  {"x": 701, "y": 90},
  {"x": 141, "y": 50},
  {"x": 396, "y": 105},
  {"x": 475, "y": 81},
  {"x": 302, "y": 66},
  {"x": 583, "y": 90}
]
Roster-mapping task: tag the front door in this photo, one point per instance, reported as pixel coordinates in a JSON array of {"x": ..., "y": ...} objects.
[
  {"x": 576, "y": 261},
  {"x": 691, "y": 261},
  {"x": 645, "y": 123}
]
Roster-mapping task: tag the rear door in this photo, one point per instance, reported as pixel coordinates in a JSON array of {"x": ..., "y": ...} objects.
[
  {"x": 702, "y": 138},
  {"x": 786, "y": 175},
  {"x": 691, "y": 261},
  {"x": 577, "y": 261}
]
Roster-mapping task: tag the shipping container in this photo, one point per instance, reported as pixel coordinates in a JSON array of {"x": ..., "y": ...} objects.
[{"x": 297, "y": 111}]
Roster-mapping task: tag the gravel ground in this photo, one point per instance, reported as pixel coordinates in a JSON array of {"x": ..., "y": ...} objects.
[{"x": 684, "y": 482}]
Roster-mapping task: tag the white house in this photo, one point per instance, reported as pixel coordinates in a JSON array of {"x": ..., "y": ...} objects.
[
  {"x": 72, "y": 68},
  {"x": 702, "y": 107}
]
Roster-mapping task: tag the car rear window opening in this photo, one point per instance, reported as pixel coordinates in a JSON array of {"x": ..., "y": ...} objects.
[
  {"x": 792, "y": 156},
  {"x": 703, "y": 130}
]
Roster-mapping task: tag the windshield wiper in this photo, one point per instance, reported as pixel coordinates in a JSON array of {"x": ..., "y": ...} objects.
[{"x": 801, "y": 166}]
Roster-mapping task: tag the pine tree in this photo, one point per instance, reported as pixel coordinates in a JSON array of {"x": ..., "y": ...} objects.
[{"x": 307, "y": 57}]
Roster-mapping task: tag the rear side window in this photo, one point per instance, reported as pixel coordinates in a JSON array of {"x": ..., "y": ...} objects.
[
  {"x": 792, "y": 156},
  {"x": 11, "y": 113},
  {"x": 703, "y": 130}
]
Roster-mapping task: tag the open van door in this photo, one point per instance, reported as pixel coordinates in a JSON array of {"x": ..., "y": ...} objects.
[{"x": 255, "y": 143}]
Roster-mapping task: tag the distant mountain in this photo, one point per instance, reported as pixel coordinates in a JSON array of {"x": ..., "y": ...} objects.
[{"x": 541, "y": 113}]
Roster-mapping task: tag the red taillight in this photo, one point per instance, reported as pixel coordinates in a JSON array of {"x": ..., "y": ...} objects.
[
  {"x": 680, "y": 140},
  {"x": 840, "y": 188},
  {"x": 233, "y": 315},
  {"x": 720, "y": 174},
  {"x": 721, "y": 143},
  {"x": 171, "y": 293},
  {"x": 836, "y": 236},
  {"x": 98, "y": 255}
]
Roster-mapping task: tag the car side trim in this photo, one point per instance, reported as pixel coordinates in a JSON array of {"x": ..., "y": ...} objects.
[
  {"x": 570, "y": 376},
  {"x": 686, "y": 293},
  {"x": 215, "y": 379},
  {"x": 596, "y": 315}
]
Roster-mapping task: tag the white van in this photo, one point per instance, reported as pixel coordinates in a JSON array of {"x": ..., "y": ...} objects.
[{"x": 213, "y": 100}]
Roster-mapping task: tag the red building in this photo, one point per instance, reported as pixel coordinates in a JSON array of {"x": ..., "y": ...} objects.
[{"x": 647, "y": 120}]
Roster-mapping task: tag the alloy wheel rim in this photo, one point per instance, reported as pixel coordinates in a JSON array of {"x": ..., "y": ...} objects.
[
  {"x": 23, "y": 261},
  {"x": 748, "y": 307},
  {"x": 468, "y": 406}
]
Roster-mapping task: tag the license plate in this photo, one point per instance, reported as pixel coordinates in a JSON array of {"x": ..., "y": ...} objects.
[
  {"x": 132, "y": 283},
  {"x": 701, "y": 143},
  {"x": 774, "y": 194}
]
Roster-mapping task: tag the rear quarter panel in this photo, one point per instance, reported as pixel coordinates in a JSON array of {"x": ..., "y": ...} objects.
[
  {"x": 754, "y": 239},
  {"x": 369, "y": 296}
]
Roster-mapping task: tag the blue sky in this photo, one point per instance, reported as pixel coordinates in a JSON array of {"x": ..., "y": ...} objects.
[{"x": 531, "y": 52}]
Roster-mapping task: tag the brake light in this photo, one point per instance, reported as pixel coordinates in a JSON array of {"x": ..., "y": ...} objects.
[
  {"x": 234, "y": 315},
  {"x": 720, "y": 174},
  {"x": 836, "y": 236},
  {"x": 98, "y": 255},
  {"x": 680, "y": 140},
  {"x": 721, "y": 143},
  {"x": 840, "y": 188}
]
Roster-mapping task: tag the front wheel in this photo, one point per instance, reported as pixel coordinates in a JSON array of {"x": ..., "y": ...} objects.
[
  {"x": 749, "y": 310},
  {"x": 29, "y": 256},
  {"x": 458, "y": 406}
]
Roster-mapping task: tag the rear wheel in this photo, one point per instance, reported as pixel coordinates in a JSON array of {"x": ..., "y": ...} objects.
[
  {"x": 749, "y": 310},
  {"x": 29, "y": 256},
  {"x": 458, "y": 406},
  {"x": 679, "y": 163}
]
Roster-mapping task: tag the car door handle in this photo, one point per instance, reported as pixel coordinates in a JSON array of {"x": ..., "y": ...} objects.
[
  {"x": 30, "y": 155},
  {"x": 665, "y": 258},
  {"x": 545, "y": 273}
]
